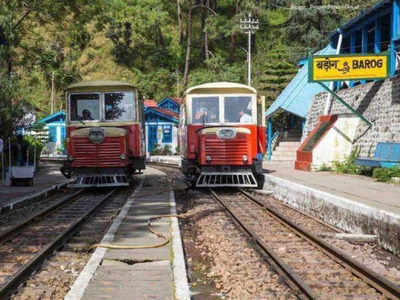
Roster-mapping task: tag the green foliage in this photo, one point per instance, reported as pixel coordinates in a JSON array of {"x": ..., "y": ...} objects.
[
  {"x": 11, "y": 112},
  {"x": 386, "y": 174},
  {"x": 349, "y": 167},
  {"x": 139, "y": 41},
  {"x": 158, "y": 150},
  {"x": 34, "y": 143},
  {"x": 325, "y": 168}
]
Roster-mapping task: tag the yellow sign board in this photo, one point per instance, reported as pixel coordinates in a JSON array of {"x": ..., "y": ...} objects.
[{"x": 348, "y": 67}]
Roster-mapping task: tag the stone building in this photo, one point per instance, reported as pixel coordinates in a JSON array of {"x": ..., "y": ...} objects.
[{"x": 374, "y": 30}]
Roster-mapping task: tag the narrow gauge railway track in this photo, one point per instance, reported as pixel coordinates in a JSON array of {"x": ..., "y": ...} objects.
[
  {"x": 161, "y": 164},
  {"x": 25, "y": 246},
  {"x": 310, "y": 266}
]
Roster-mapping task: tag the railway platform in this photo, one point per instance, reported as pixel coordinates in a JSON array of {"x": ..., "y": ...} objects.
[
  {"x": 46, "y": 179},
  {"x": 154, "y": 272}
]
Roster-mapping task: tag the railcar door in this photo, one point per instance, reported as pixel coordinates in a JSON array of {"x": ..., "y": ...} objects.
[{"x": 152, "y": 140}]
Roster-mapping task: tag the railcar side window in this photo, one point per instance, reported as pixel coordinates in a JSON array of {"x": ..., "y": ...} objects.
[
  {"x": 85, "y": 107},
  {"x": 205, "y": 110},
  {"x": 119, "y": 106},
  {"x": 238, "y": 109}
]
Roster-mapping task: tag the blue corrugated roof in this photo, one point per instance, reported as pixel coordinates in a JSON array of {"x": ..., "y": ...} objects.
[
  {"x": 53, "y": 118},
  {"x": 298, "y": 95}
]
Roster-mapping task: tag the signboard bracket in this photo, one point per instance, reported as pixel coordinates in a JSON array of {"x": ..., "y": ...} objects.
[{"x": 345, "y": 103}]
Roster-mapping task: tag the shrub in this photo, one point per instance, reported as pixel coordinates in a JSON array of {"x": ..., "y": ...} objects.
[
  {"x": 156, "y": 150},
  {"x": 325, "y": 168},
  {"x": 349, "y": 167},
  {"x": 386, "y": 174},
  {"x": 33, "y": 143},
  {"x": 166, "y": 150}
]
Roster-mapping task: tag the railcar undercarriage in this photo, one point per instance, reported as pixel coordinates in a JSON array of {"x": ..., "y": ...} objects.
[
  {"x": 99, "y": 177},
  {"x": 223, "y": 176}
]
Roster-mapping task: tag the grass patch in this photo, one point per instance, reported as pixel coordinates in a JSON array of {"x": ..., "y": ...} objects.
[{"x": 386, "y": 174}]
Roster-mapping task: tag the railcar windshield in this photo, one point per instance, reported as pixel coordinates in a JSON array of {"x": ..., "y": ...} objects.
[
  {"x": 205, "y": 110},
  {"x": 85, "y": 107},
  {"x": 238, "y": 109},
  {"x": 119, "y": 106}
]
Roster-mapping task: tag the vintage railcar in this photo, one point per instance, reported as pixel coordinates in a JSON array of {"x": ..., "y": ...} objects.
[
  {"x": 105, "y": 134},
  {"x": 222, "y": 135}
]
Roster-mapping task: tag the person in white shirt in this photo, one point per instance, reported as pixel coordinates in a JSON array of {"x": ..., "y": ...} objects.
[{"x": 245, "y": 118}]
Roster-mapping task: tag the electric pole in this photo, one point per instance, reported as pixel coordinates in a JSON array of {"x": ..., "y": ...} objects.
[
  {"x": 249, "y": 26},
  {"x": 52, "y": 94}
]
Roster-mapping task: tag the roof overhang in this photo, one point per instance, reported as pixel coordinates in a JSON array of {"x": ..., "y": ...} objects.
[
  {"x": 379, "y": 7},
  {"x": 221, "y": 87},
  {"x": 99, "y": 85}
]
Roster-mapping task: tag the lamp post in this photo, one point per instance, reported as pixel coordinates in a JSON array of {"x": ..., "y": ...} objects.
[{"x": 249, "y": 25}]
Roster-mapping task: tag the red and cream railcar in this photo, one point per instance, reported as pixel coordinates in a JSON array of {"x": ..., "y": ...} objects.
[
  {"x": 222, "y": 135},
  {"x": 105, "y": 137}
]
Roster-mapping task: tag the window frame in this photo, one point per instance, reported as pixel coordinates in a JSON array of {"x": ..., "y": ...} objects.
[
  {"x": 84, "y": 93},
  {"x": 102, "y": 107},
  {"x": 134, "y": 107},
  {"x": 221, "y": 105}
]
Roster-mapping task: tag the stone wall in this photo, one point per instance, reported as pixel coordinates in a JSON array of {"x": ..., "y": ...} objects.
[{"x": 379, "y": 102}]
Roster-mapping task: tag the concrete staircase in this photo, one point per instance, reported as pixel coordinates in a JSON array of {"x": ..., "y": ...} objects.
[{"x": 286, "y": 151}]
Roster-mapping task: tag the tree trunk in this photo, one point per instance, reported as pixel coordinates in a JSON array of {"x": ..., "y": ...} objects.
[
  {"x": 180, "y": 28},
  {"x": 206, "y": 33},
  {"x": 233, "y": 36},
  {"x": 189, "y": 44}
]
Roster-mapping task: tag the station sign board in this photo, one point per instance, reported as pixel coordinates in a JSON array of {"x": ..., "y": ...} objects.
[{"x": 348, "y": 67}]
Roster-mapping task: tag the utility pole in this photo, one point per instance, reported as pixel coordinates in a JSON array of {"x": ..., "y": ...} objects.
[
  {"x": 52, "y": 94},
  {"x": 249, "y": 26},
  {"x": 177, "y": 83}
]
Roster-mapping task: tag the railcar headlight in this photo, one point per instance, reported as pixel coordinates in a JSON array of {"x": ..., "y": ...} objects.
[
  {"x": 208, "y": 158},
  {"x": 70, "y": 158},
  {"x": 123, "y": 156},
  {"x": 245, "y": 158}
]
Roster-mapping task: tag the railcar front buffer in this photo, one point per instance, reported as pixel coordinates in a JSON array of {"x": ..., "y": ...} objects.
[{"x": 234, "y": 179}]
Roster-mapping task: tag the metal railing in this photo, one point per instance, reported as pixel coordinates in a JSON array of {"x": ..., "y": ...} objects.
[{"x": 273, "y": 143}]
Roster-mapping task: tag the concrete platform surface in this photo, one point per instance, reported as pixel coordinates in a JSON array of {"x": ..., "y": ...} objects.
[
  {"x": 47, "y": 176},
  {"x": 138, "y": 273},
  {"x": 165, "y": 159},
  {"x": 358, "y": 188}
]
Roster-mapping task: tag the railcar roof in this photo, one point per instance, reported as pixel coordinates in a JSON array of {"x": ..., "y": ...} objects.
[
  {"x": 221, "y": 86},
  {"x": 100, "y": 83}
]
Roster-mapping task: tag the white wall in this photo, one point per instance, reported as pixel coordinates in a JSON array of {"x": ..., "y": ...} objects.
[{"x": 337, "y": 143}]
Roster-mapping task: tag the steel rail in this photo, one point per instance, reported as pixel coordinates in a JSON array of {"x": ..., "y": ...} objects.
[
  {"x": 290, "y": 276},
  {"x": 5, "y": 235},
  {"x": 163, "y": 164},
  {"x": 12, "y": 284},
  {"x": 381, "y": 284}
]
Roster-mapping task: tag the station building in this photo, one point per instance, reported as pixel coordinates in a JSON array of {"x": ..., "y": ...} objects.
[
  {"x": 54, "y": 125},
  {"x": 162, "y": 122},
  {"x": 374, "y": 30}
]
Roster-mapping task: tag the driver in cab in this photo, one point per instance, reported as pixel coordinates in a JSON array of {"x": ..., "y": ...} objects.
[
  {"x": 204, "y": 116},
  {"x": 86, "y": 115}
]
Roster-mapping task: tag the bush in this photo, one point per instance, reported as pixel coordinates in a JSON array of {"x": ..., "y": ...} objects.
[
  {"x": 32, "y": 144},
  {"x": 325, "y": 168},
  {"x": 386, "y": 174},
  {"x": 349, "y": 167},
  {"x": 166, "y": 150},
  {"x": 156, "y": 150}
]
